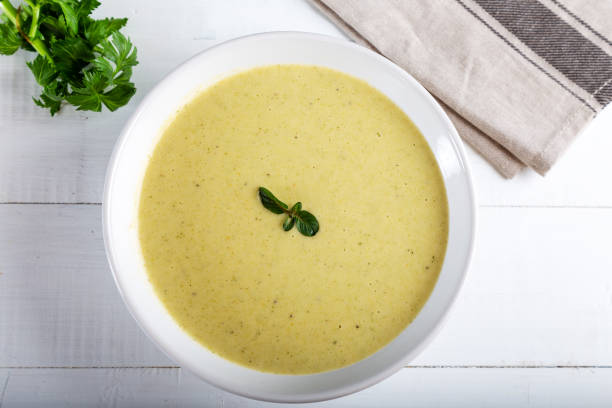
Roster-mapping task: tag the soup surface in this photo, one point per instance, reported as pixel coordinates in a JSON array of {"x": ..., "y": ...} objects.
[{"x": 279, "y": 301}]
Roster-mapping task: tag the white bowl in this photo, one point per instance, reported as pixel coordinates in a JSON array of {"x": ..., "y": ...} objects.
[{"x": 143, "y": 130}]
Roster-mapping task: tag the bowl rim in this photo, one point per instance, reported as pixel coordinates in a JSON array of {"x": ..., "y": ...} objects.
[{"x": 353, "y": 387}]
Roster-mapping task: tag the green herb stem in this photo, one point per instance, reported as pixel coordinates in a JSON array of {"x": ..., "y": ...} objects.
[
  {"x": 34, "y": 24},
  {"x": 13, "y": 15},
  {"x": 9, "y": 10},
  {"x": 37, "y": 43}
]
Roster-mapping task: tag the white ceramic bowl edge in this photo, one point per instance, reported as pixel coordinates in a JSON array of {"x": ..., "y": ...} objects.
[{"x": 138, "y": 139}]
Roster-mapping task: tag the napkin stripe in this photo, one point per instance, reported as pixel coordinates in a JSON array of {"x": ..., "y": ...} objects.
[
  {"x": 557, "y": 42},
  {"x": 581, "y": 21},
  {"x": 522, "y": 54},
  {"x": 605, "y": 92}
]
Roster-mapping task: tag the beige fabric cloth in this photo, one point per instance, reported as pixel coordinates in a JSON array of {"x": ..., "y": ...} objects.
[{"x": 519, "y": 78}]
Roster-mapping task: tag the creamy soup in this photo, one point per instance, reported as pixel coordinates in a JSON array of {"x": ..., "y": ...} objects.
[{"x": 280, "y": 301}]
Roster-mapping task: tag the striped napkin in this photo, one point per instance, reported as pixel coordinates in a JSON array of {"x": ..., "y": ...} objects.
[{"x": 519, "y": 78}]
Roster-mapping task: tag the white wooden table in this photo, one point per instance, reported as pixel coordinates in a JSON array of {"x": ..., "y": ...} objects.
[{"x": 532, "y": 327}]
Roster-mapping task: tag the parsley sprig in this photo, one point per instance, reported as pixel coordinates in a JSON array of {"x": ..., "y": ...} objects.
[
  {"x": 83, "y": 61},
  {"x": 306, "y": 223}
]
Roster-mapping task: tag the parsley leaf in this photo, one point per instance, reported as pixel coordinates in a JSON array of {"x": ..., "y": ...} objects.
[
  {"x": 71, "y": 55},
  {"x": 70, "y": 15},
  {"x": 10, "y": 41},
  {"x": 83, "y": 61},
  {"x": 98, "y": 30},
  {"x": 52, "y": 96},
  {"x": 119, "y": 50},
  {"x": 85, "y": 7},
  {"x": 54, "y": 27},
  {"x": 118, "y": 96},
  {"x": 89, "y": 97},
  {"x": 44, "y": 72}
]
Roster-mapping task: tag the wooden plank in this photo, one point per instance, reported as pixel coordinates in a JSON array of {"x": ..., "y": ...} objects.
[
  {"x": 576, "y": 180},
  {"x": 63, "y": 159},
  {"x": 414, "y": 387},
  {"x": 539, "y": 293},
  {"x": 59, "y": 305}
]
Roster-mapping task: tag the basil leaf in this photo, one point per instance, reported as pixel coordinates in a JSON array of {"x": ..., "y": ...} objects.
[
  {"x": 270, "y": 202},
  {"x": 288, "y": 224},
  {"x": 296, "y": 208},
  {"x": 306, "y": 223}
]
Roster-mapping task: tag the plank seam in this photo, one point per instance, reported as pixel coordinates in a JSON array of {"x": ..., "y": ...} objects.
[
  {"x": 576, "y": 207},
  {"x": 46, "y": 203},
  {"x": 84, "y": 367},
  {"x": 513, "y": 366},
  {"x": 531, "y": 367},
  {"x": 4, "y": 388},
  {"x": 554, "y": 207}
]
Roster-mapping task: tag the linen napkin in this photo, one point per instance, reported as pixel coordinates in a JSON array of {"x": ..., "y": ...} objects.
[{"x": 519, "y": 78}]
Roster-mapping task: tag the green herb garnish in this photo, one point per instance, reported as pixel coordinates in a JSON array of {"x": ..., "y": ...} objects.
[
  {"x": 306, "y": 223},
  {"x": 80, "y": 60}
]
